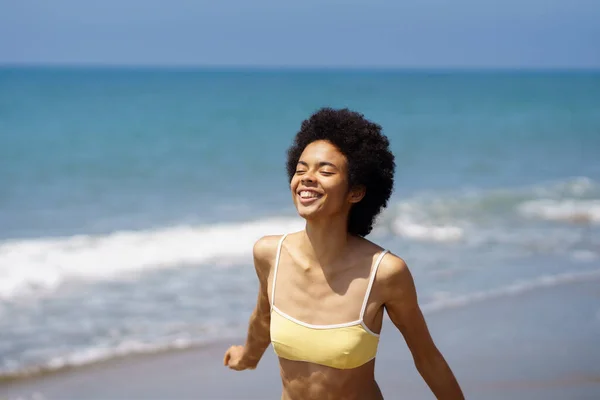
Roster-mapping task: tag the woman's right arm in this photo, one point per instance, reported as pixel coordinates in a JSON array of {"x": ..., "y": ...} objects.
[{"x": 258, "y": 337}]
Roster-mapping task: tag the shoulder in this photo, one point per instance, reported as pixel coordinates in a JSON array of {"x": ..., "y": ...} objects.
[
  {"x": 395, "y": 278},
  {"x": 391, "y": 270},
  {"x": 392, "y": 267},
  {"x": 266, "y": 247},
  {"x": 264, "y": 252}
]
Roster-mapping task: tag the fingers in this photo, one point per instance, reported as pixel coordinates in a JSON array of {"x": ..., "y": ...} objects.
[
  {"x": 226, "y": 358},
  {"x": 232, "y": 358}
]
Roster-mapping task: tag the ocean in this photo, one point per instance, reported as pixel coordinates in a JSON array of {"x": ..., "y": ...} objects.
[{"x": 130, "y": 198}]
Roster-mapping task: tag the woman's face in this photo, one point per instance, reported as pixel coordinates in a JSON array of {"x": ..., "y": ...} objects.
[{"x": 320, "y": 184}]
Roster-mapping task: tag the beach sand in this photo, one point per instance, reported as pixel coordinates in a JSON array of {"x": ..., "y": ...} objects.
[{"x": 542, "y": 344}]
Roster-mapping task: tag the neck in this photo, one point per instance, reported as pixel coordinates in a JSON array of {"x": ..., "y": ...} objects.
[{"x": 326, "y": 239}]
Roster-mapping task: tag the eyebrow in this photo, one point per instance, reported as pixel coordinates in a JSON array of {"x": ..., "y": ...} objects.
[{"x": 321, "y": 164}]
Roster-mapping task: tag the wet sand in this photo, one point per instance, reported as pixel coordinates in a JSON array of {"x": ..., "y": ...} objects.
[{"x": 543, "y": 344}]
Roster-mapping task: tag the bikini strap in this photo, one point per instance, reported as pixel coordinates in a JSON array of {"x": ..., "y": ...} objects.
[
  {"x": 371, "y": 280},
  {"x": 275, "y": 269}
]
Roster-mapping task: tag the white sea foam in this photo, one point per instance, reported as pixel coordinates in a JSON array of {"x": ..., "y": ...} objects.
[
  {"x": 42, "y": 264},
  {"x": 127, "y": 347},
  {"x": 498, "y": 215},
  {"x": 94, "y": 354},
  {"x": 427, "y": 232},
  {"x": 575, "y": 187},
  {"x": 568, "y": 210}
]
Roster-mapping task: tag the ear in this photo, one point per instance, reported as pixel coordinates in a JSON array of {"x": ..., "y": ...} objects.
[{"x": 357, "y": 194}]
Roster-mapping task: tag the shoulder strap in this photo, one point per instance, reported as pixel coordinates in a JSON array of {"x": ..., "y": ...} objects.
[
  {"x": 275, "y": 269},
  {"x": 371, "y": 280}
]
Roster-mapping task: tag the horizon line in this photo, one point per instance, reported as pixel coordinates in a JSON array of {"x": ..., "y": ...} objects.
[{"x": 307, "y": 67}]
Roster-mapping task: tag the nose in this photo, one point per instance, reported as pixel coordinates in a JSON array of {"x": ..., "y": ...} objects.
[{"x": 307, "y": 177}]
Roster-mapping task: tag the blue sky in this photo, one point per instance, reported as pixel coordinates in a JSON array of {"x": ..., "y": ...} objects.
[{"x": 375, "y": 33}]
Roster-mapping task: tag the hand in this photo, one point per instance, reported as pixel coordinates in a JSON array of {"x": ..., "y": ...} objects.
[{"x": 233, "y": 359}]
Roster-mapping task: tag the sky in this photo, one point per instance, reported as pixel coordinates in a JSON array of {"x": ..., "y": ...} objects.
[{"x": 307, "y": 33}]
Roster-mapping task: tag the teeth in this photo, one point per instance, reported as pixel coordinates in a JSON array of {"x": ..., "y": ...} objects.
[{"x": 306, "y": 194}]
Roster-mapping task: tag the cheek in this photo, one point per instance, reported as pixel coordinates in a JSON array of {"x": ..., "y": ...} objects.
[
  {"x": 293, "y": 184},
  {"x": 337, "y": 189}
]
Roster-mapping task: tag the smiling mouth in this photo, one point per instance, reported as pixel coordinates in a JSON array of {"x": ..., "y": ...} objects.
[{"x": 308, "y": 196}]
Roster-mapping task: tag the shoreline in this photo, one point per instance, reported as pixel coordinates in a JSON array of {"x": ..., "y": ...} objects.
[
  {"x": 498, "y": 354},
  {"x": 429, "y": 310},
  {"x": 42, "y": 371}
]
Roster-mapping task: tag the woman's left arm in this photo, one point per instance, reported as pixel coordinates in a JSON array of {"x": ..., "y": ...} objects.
[{"x": 400, "y": 301}]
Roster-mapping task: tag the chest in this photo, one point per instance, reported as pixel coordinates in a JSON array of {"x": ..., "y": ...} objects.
[{"x": 311, "y": 296}]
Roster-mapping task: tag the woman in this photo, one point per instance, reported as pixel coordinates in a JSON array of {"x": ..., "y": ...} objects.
[{"x": 323, "y": 290}]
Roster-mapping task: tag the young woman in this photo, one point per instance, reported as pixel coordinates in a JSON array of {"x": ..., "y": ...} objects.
[{"x": 323, "y": 290}]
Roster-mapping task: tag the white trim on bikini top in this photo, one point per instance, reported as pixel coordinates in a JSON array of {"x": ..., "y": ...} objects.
[{"x": 330, "y": 326}]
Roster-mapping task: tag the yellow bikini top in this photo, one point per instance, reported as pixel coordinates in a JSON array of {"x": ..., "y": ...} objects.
[{"x": 344, "y": 346}]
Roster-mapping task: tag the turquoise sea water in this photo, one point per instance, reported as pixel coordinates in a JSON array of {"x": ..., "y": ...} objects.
[{"x": 130, "y": 198}]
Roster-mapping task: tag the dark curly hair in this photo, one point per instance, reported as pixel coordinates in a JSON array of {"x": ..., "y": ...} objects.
[{"x": 370, "y": 162}]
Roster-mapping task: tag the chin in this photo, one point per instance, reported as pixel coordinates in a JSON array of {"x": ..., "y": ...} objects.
[{"x": 307, "y": 213}]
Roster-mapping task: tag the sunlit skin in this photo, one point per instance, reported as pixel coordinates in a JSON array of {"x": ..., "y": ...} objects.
[{"x": 322, "y": 278}]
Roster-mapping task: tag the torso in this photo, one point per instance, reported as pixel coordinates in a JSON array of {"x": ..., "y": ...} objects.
[
  {"x": 303, "y": 381},
  {"x": 307, "y": 294}
]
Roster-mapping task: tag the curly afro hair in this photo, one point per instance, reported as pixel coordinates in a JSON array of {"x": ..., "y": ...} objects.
[{"x": 370, "y": 162}]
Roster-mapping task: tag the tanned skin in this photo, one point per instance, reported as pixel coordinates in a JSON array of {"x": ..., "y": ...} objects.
[{"x": 322, "y": 278}]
